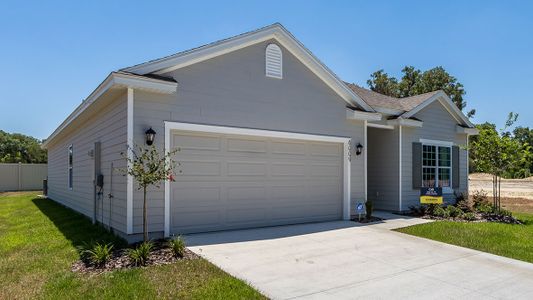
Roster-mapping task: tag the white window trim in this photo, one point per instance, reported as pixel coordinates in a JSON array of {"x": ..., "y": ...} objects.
[
  {"x": 176, "y": 126},
  {"x": 70, "y": 167},
  {"x": 425, "y": 142}
]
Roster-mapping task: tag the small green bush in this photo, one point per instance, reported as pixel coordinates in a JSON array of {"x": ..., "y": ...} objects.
[
  {"x": 485, "y": 208},
  {"x": 98, "y": 254},
  {"x": 139, "y": 256},
  {"x": 439, "y": 211},
  {"x": 505, "y": 213},
  {"x": 469, "y": 216},
  {"x": 480, "y": 198},
  {"x": 464, "y": 203},
  {"x": 454, "y": 212},
  {"x": 177, "y": 244},
  {"x": 369, "y": 206}
]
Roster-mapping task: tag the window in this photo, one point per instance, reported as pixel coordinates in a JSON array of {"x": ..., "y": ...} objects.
[
  {"x": 70, "y": 160},
  {"x": 273, "y": 61},
  {"x": 436, "y": 166}
]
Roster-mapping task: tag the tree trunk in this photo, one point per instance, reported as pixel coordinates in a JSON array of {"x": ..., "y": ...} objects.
[{"x": 145, "y": 228}]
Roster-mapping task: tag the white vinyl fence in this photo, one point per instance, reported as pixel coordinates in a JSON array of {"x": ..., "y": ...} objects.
[{"x": 22, "y": 177}]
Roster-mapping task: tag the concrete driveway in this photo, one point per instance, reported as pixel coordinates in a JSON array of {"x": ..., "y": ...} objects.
[{"x": 345, "y": 260}]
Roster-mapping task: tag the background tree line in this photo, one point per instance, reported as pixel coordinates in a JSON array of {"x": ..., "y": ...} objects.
[
  {"x": 505, "y": 153},
  {"x": 16, "y": 147}
]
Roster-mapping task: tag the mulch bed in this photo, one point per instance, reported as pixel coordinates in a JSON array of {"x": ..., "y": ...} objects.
[
  {"x": 480, "y": 217},
  {"x": 160, "y": 255},
  {"x": 367, "y": 220}
]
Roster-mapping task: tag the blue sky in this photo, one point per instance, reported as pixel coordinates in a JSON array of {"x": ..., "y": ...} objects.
[{"x": 53, "y": 53}]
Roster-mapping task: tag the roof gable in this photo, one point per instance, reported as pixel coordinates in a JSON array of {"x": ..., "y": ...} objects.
[{"x": 275, "y": 31}]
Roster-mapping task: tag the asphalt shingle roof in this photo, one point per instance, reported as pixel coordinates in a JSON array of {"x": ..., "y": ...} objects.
[{"x": 375, "y": 99}]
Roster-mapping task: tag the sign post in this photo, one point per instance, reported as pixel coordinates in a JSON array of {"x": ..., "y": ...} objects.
[
  {"x": 431, "y": 195},
  {"x": 360, "y": 209}
]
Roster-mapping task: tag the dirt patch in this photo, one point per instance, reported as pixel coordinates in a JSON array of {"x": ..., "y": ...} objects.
[
  {"x": 510, "y": 188},
  {"x": 7, "y": 194},
  {"x": 160, "y": 255},
  {"x": 521, "y": 205}
]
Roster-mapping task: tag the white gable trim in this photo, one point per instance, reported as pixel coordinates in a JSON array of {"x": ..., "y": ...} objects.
[
  {"x": 362, "y": 115},
  {"x": 276, "y": 32},
  {"x": 447, "y": 103}
]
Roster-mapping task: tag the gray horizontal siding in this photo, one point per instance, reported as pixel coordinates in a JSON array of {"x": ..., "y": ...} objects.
[
  {"x": 232, "y": 90},
  {"x": 383, "y": 166},
  {"x": 108, "y": 126},
  {"x": 438, "y": 125}
]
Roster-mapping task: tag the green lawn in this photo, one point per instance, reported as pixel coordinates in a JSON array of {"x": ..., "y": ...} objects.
[
  {"x": 515, "y": 241},
  {"x": 38, "y": 240}
]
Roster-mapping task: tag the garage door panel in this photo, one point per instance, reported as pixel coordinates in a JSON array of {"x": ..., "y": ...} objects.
[
  {"x": 187, "y": 197},
  {"x": 288, "y": 169},
  {"x": 199, "y": 168},
  {"x": 288, "y": 148},
  {"x": 240, "y": 195},
  {"x": 246, "y": 168},
  {"x": 190, "y": 143},
  {"x": 246, "y": 145},
  {"x": 254, "y": 181}
]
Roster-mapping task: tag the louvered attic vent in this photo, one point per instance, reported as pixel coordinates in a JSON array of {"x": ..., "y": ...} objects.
[{"x": 273, "y": 61}]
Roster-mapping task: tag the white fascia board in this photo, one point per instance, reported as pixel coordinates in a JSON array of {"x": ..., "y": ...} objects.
[
  {"x": 115, "y": 80},
  {"x": 436, "y": 142},
  {"x": 276, "y": 32},
  {"x": 389, "y": 111},
  {"x": 362, "y": 115},
  {"x": 381, "y": 126},
  {"x": 405, "y": 122},
  {"x": 447, "y": 103},
  {"x": 465, "y": 130}
]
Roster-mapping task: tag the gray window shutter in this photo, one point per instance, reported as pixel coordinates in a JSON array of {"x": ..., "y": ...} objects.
[
  {"x": 417, "y": 165},
  {"x": 455, "y": 167}
]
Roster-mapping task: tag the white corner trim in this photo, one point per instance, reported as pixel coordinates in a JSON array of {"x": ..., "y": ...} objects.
[
  {"x": 381, "y": 126},
  {"x": 365, "y": 153},
  {"x": 115, "y": 79},
  {"x": 468, "y": 131},
  {"x": 362, "y": 115},
  {"x": 436, "y": 142},
  {"x": 275, "y": 32},
  {"x": 129, "y": 185},
  {"x": 400, "y": 158},
  {"x": 177, "y": 126},
  {"x": 405, "y": 122}
]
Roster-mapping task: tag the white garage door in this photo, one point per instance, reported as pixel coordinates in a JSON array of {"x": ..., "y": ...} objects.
[{"x": 234, "y": 181}]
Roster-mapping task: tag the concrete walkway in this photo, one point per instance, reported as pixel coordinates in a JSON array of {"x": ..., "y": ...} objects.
[{"x": 346, "y": 260}]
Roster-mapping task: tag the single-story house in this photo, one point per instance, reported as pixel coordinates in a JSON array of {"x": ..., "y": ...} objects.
[{"x": 268, "y": 135}]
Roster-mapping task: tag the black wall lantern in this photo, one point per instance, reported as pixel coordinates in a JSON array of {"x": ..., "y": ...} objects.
[
  {"x": 358, "y": 149},
  {"x": 150, "y": 136}
]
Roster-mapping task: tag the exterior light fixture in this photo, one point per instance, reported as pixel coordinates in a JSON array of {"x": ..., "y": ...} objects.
[
  {"x": 150, "y": 136},
  {"x": 358, "y": 149}
]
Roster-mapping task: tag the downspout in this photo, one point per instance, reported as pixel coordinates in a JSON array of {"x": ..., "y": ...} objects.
[{"x": 400, "y": 167}]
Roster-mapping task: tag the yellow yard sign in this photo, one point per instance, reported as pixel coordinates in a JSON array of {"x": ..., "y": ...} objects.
[{"x": 429, "y": 195}]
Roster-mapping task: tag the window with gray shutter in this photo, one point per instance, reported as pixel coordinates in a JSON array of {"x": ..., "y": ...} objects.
[
  {"x": 455, "y": 167},
  {"x": 417, "y": 165}
]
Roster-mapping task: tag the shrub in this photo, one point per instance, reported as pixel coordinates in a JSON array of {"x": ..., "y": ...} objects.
[
  {"x": 139, "y": 256},
  {"x": 418, "y": 210},
  {"x": 177, "y": 244},
  {"x": 485, "y": 208},
  {"x": 369, "y": 206},
  {"x": 469, "y": 216},
  {"x": 464, "y": 203},
  {"x": 480, "y": 198},
  {"x": 98, "y": 254},
  {"x": 453, "y": 211},
  {"x": 439, "y": 211},
  {"x": 505, "y": 213}
]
